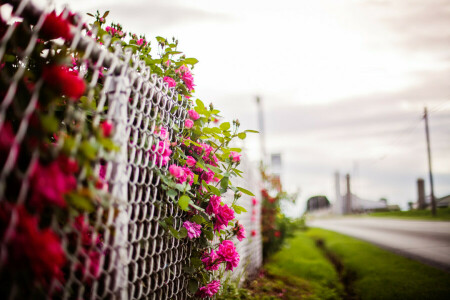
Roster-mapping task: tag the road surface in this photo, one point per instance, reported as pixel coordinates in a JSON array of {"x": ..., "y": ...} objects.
[{"x": 425, "y": 241}]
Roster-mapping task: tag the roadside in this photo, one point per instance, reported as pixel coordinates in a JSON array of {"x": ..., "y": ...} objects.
[
  {"x": 320, "y": 264},
  {"x": 442, "y": 214},
  {"x": 380, "y": 274},
  {"x": 425, "y": 241}
]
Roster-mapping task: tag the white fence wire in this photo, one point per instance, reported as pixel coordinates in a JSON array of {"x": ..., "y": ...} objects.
[{"x": 136, "y": 258}]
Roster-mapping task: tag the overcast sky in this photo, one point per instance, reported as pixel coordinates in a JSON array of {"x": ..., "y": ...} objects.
[{"x": 343, "y": 83}]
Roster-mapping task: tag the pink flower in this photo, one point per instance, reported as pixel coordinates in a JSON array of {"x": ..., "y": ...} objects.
[
  {"x": 213, "y": 206},
  {"x": 188, "y": 80},
  {"x": 208, "y": 176},
  {"x": 163, "y": 133},
  {"x": 253, "y": 232},
  {"x": 7, "y": 138},
  {"x": 188, "y": 123},
  {"x": 35, "y": 249},
  {"x": 49, "y": 184},
  {"x": 56, "y": 27},
  {"x": 239, "y": 231},
  {"x": 227, "y": 252},
  {"x": 64, "y": 81},
  {"x": 188, "y": 176},
  {"x": 223, "y": 216},
  {"x": 254, "y": 201},
  {"x": 235, "y": 157},
  {"x": 193, "y": 229},
  {"x": 176, "y": 171},
  {"x": 193, "y": 114},
  {"x": 190, "y": 161},
  {"x": 211, "y": 260},
  {"x": 141, "y": 42},
  {"x": 170, "y": 81},
  {"x": 106, "y": 128},
  {"x": 210, "y": 289}
]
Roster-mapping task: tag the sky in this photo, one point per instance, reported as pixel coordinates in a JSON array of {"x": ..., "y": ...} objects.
[{"x": 343, "y": 84}]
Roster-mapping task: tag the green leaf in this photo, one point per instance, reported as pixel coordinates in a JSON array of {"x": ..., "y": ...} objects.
[
  {"x": 247, "y": 192},
  {"x": 238, "y": 209},
  {"x": 183, "y": 202},
  {"x": 224, "y": 183},
  {"x": 242, "y": 135},
  {"x": 80, "y": 202},
  {"x": 198, "y": 219},
  {"x": 209, "y": 234},
  {"x": 196, "y": 262},
  {"x": 225, "y": 126},
  {"x": 88, "y": 150},
  {"x": 172, "y": 194},
  {"x": 182, "y": 233},
  {"x": 106, "y": 14},
  {"x": 108, "y": 144},
  {"x": 193, "y": 286},
  {"x": 191, "y": 61},
  {"x": 252, "y": 131},
  {"x": 50, "y": 123},
  {"x": 161, "y": 40},
  {"x": 213, "y": 189},
  {"x": 200, "y": 104},
  {"x": 173, "y": 232}
]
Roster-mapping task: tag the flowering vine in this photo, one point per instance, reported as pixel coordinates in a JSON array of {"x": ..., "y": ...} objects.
[{"x": 65, "y": 158}]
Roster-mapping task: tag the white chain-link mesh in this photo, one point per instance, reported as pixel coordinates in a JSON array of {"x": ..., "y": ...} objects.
[{"x": 136, "y": 258}]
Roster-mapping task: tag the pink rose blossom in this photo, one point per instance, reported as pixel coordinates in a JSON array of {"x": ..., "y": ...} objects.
[
  {"x": 223, "y": 216},
  {"x": 141, "y": 42},
  {"x": 190, "y": 161},
  {"x": 227, "y": 252},
  {"x": 193, "y": 229},
  {"x": 254, "y": 201},
  {"x": 188, "y": 123},
  {"x": 213, "y": 206},
  {"x": 240, "y": 231},
  {"x": 170, "y": 81},
  {"x": 34, "y": 249},
  {"x": 176, "y": 171},
  {"x": 211, "y": 260},
  {"x": 193, "y": 114},
  {"x": 210, "y": 289},
  {"x": 107, "y": 128},
  {"x": 235, "y": 157},
  {"x": 208, "y": 176},
  {"x": 49, "y": 184},
  {"x": 188, "y": 176},
  {"x": 163, "y": 133}
]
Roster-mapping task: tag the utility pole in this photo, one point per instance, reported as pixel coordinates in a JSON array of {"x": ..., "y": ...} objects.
[
  {"x": 433, "y": 201},
  {"x": 261, "y": 129}
]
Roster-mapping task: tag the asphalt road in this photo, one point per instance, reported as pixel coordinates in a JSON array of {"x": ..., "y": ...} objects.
[{"x": 425, "y": 241}]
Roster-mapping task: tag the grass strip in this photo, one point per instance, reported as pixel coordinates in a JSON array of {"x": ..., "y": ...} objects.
[
  {"x": 442, "y": 214},
  {"x": 298, "y": 271},
  {"x": 379, "y": 274}
]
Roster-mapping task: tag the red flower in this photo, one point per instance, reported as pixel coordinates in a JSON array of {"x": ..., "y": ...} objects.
[
  {"x": 106, "y": 128},
  {"x": 35, "y": 249},
  {"x": 56, "y": 27},
  {"x": 64, "y": 81},
  {"x": 49, "y": 184},
  {"x": 277, "y": 234},
  {"x": 253, "y": 232}
]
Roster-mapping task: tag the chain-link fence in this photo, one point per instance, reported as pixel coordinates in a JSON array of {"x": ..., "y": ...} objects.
[{"x": 118, "y": 250}]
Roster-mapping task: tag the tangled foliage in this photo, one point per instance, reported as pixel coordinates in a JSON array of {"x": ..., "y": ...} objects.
[{"x": 275, "y": 225}]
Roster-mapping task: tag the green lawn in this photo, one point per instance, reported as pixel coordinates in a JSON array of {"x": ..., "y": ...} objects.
[
  {"x": 381, "y": 274},
  {"x": 298, "y": 271},
  {"x": 442, "y": 214}
]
